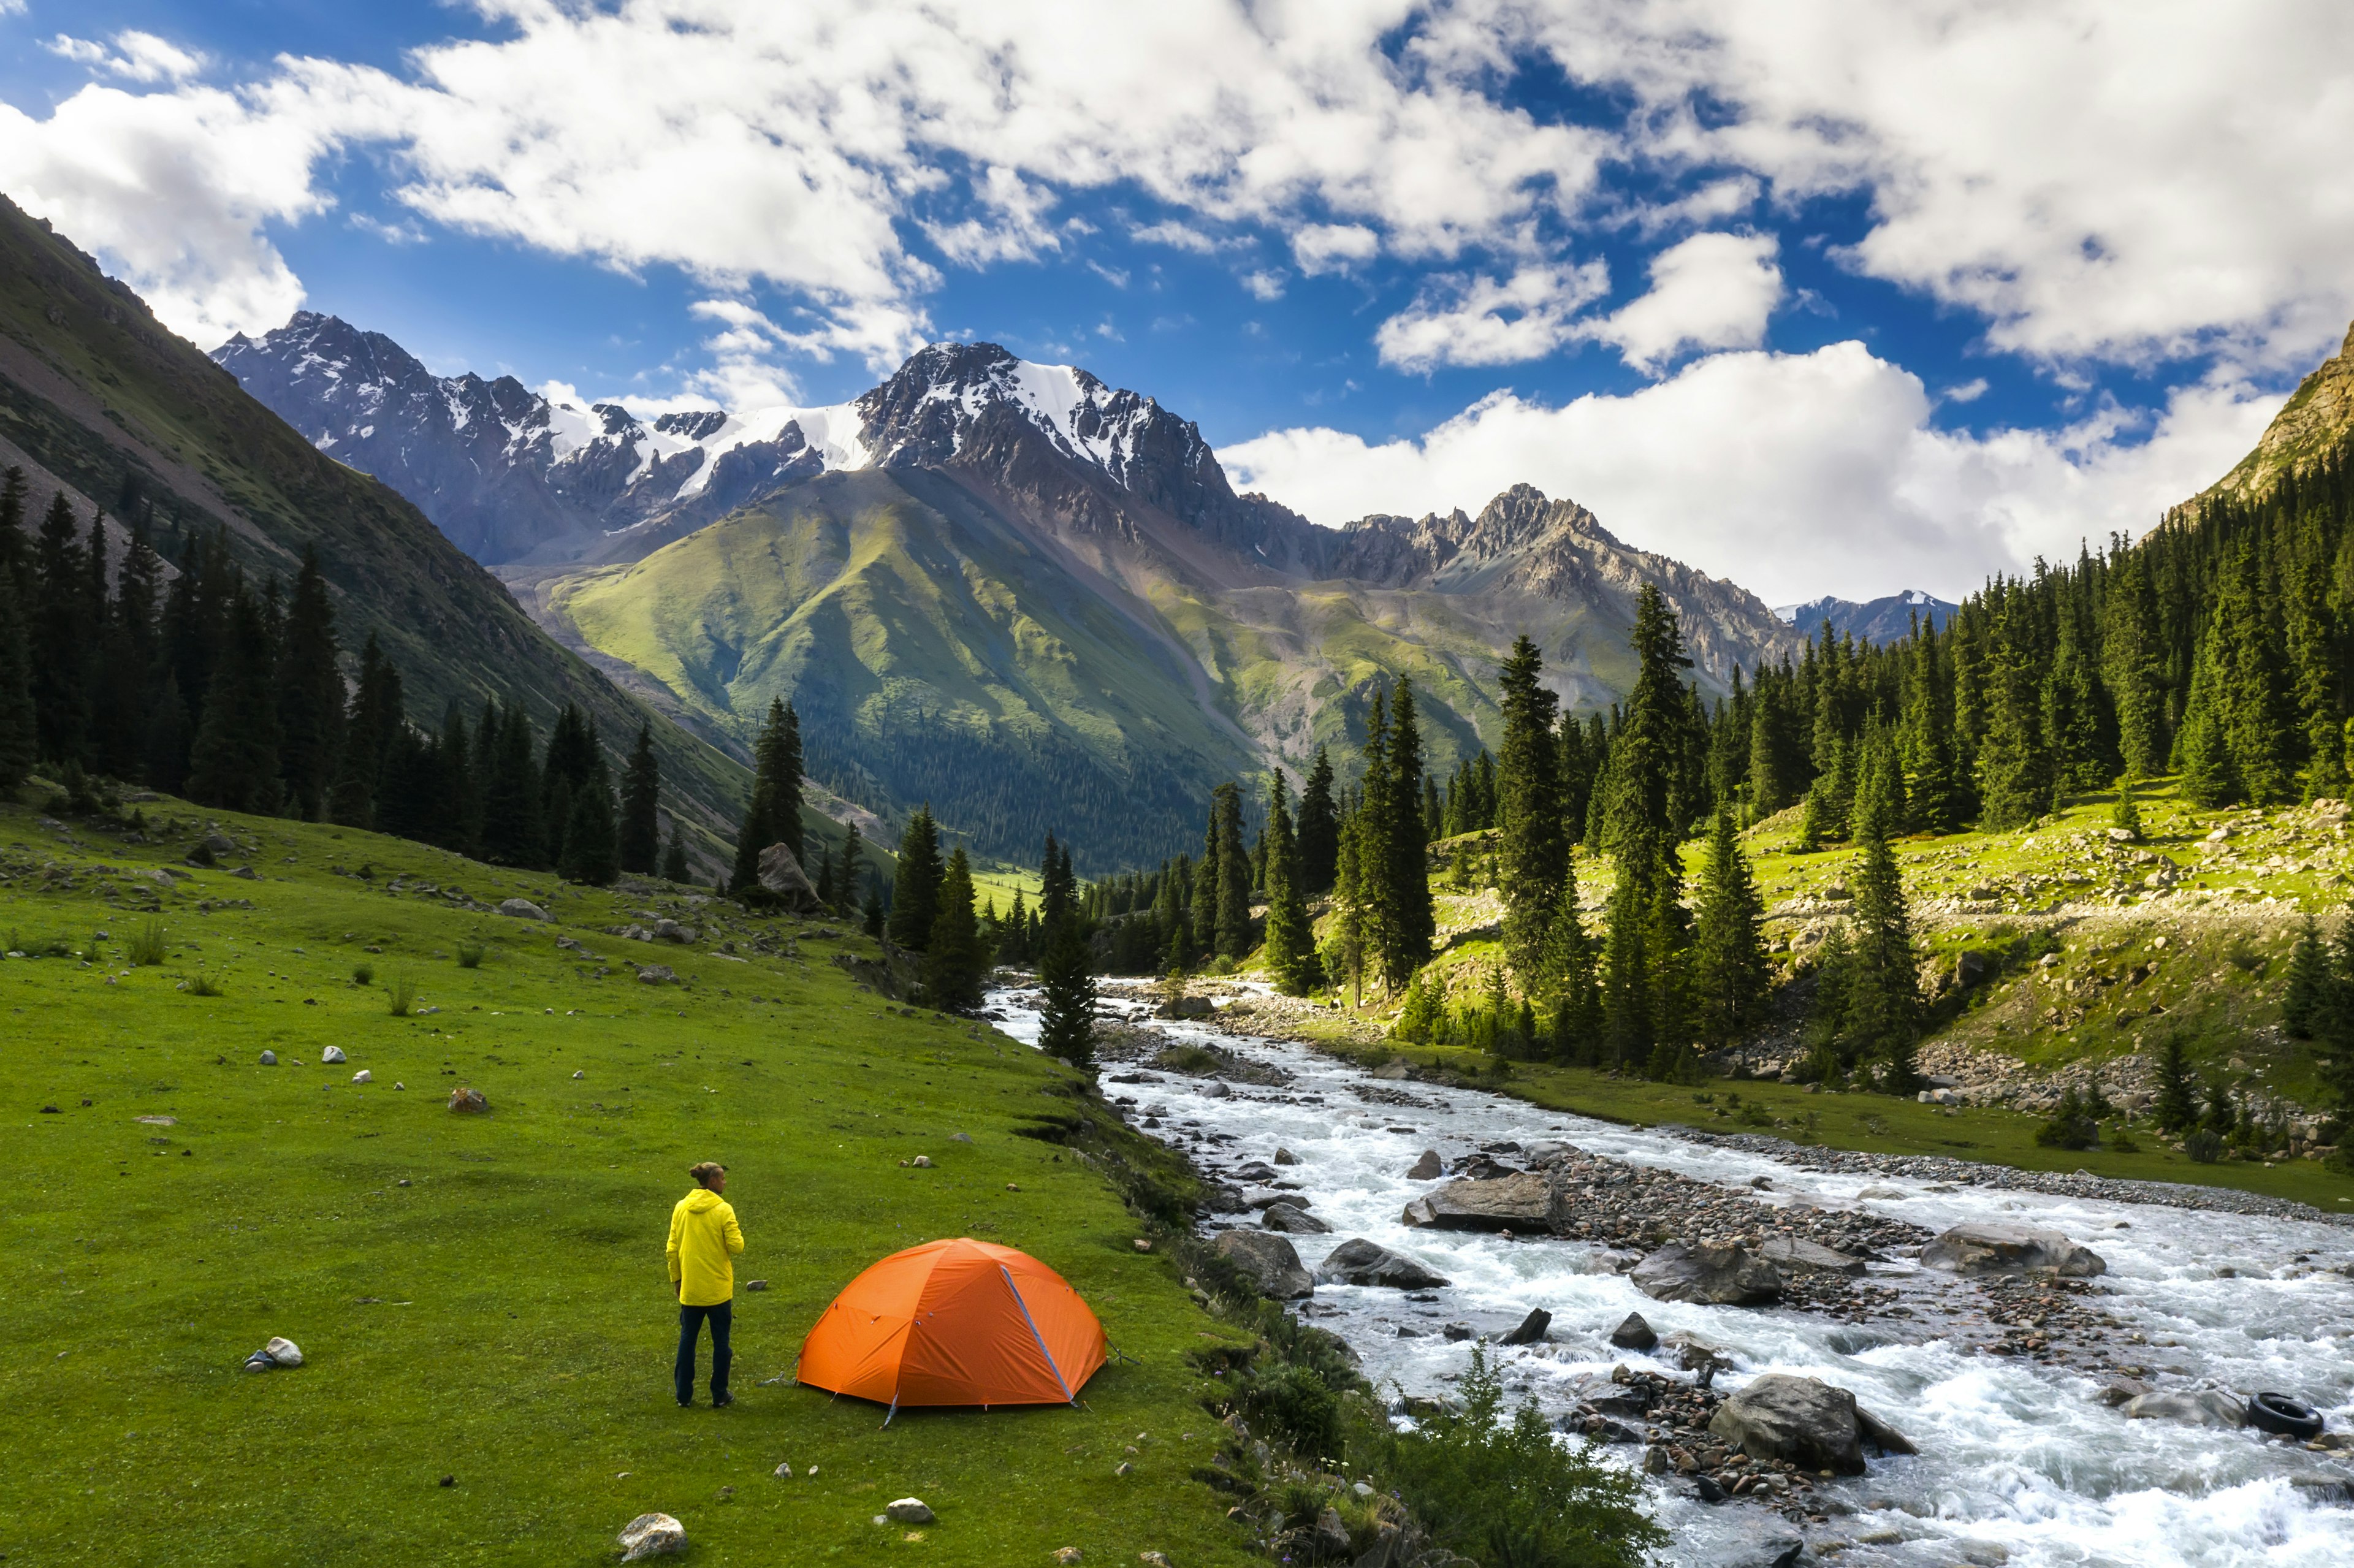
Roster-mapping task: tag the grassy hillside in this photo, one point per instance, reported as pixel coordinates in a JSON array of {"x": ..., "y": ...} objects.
[
  {"x": 99, "y": 395},
  {"x": 483, "y": 1298}
]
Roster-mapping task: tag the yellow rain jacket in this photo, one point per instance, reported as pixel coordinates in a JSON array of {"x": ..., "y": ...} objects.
[{"x": 703, "y": 1238}]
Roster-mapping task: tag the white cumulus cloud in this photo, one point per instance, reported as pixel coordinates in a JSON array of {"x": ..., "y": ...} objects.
[
  {"x": 1491, "y": 321},
  {"x": 1794, "y": 475},
  {"x": 1713, "y": 291}
]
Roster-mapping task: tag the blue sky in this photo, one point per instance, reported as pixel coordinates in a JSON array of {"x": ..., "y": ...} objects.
[{"x": 1849, "y": 299}]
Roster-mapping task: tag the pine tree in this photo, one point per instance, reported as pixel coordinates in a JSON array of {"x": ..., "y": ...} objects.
[
  {"x": 1234, "y": 877},
  {"x": 2177, "y": 1091},
  {"x": 233, "y": 763},
  {"x": 1532, "y": 854},
  {"x": 20, "y": 729},
  {"x": 1883, "y": 1001},
  {"x": 955, "y": 963},
  {"x": 1768, "y": 791},
  {"x": 2014, "y": 783},
  {"x": 591, "y": 840},
  {"x": 1729, "y": 965},
  {"x": 674, "y": 865},
  {"x": 773, "y": 814},
  {"x": 60, "y": 637},
  {"x": 854, "y": 869},
  {"x": 1066, "y": 1023},
  {"x": 641, "y": 831},
  {"x": 1567, "y": 979},
  {"x": 1291, "y": 945},
  {"x": 2309, "y": 980},
  {"x": 915, "y": 889},
  {"x": 310, "y": 696},
  {"x": 2131, "y": 656},
  {"x": 1411, "y": 920},
  {"x": 511, "y": 791},
  {"x": 1320, "y": 829},
  {"x": 870, "y": 913},
  {"x": 1349, "y": 913},
  {"x": 1639, "y": 979}
]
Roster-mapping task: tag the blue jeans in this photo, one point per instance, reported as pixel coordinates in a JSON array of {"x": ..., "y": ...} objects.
[{"x": 690, "y": 1323}]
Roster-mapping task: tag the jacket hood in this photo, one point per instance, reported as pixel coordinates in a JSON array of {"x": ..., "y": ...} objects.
[{"x": 702, "y": 1200}]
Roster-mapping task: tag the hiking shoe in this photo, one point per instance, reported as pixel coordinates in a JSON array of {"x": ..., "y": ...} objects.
[
  {"x": 721, "y": 1401},
  {"x": 686, "y": 1404}
]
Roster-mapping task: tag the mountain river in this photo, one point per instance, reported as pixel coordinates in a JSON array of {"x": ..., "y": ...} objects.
[{"x": 2021, "y": 1463}]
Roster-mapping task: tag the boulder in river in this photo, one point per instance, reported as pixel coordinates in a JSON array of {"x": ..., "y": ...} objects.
[
  {"x": 1292, "y": 1220},
  {"x": 1762, "y": 1541},
  {"x": 1980, "y": 1249},
  {"x": 1795, "y": 1255},
  {"x": 1531, "y": 1329},
  {"x": 1803, "y": 1420},
  {"x": 1523, "y": 1202},
  {"x": 1695, "y": 1355},
  {"x": 1268, "y": 1261},
  {"x": 1634, "y": 1334},
  {"x": 1426, "y": 1168},
  {"x": 1359, "y": 1262},
  {"x": 2202, "y": 1407},
  {"x": 1222, "y": 1198},
  {"x": 1720, "y": 1275}
]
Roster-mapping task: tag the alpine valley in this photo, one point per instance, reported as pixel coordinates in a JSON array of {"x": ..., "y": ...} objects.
[{"x": 1004, "y": 588}]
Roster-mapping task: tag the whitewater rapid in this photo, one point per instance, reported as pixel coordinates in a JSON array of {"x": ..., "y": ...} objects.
[{"x": 2020, "y": 1463}]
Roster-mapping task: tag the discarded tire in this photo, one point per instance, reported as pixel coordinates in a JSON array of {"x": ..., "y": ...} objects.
[{"x": 2288, "y": 1417}]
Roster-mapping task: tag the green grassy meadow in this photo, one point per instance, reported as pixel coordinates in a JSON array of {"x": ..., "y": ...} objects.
[{"x": 484, "y": 1298}]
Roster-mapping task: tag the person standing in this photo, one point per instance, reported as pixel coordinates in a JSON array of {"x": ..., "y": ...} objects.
[{"x": 704, "y": 1243}]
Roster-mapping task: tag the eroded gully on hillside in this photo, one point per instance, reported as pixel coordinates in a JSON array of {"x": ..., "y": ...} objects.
[{"x": 2000, "y": 1384}]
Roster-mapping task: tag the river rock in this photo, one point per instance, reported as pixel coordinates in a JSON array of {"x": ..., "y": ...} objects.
[
  {"x": 1428, "y": 1169},
  {"x": 1222, "y": 1198},
  {"x": 1268, "y": 1261},
  {"x": 1634, "y": 1334},
  {"x": 1980, "y": 1249},
  {"x": 525, "y": 909},
  {"x": 1359, "y": 1262},
  {"x": 1521, "y": 1202},
  {"x": 1285, "y": 1157},
  {"x": 652, "y": 1535},
  {"x": 331, "y": 1055},
  {"x": 909, "y": 1510},
  {"x": 782, "y": 879},
  {"x": 1532, "y": 1328},
  {"x": 1762, "y": 1541},
  {"x": 1872, "y": 1429},
  {"x": 468, "y": 1102},
  {"x": 2204, "y": 1407},
  {"x": 1720, "y": 1275},
  {"x": 1190, "y": 1007},
  {"x": 1795, "y": 1255},
  {"x": 1292, "y": 1220},
  {"x": 1688, "y": 1350},
  {"x": 1803, "y": 1420}
]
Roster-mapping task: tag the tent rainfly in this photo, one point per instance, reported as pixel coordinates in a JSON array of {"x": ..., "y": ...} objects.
[{"x": 955, "y": 1322}]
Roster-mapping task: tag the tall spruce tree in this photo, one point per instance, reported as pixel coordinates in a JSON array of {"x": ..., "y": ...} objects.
[
  {"x": 1574, "y": 1001},
  {"x": 60, "y": 637},
  {"x": 1067, "y": 980},
  {"x": 510, "y": 790},
  {"x": 2131, "y": 659},
  {"x": 20, "y": 729},
  {"x": 1411, "y": 921},
  {"x": 2306, "y": 995},
  {"x": 591, "y": 839},
  {"x": 915, "y": 889},
  {"x": 1234, "y": 875},
  {"x": 233, "y": 763},
  {"x": 674, "y": 865},
  {"x": 1320, "y": 829},
  {"x": 853, "y": 875},
  {"x": 773, "y": 814},
  {"x": 1884, "y": 999},
  {"x": 955, "y": 961},
  {"x": 1639, "y": 979},
  {"x": 1532, "y": 851},
  {"x": 641, "y": 830},
  {"x": 1291, "y": 945},
  {"x": 1729, "y": 969},
  {"x": 310, "y": 696}
]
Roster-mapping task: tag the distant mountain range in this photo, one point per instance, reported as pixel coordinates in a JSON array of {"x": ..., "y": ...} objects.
[
  {"x": 1867, "y": 620},
  {"x": 1007, "y": 589}
]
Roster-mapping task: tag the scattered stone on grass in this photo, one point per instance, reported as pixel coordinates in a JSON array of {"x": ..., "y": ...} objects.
[
  {"x": 909, "y": 1510},
  {"x": 331, "y": 1055},
  {"x": 468, "y": 1102},
  {"x": 657, "y": 974},
  {"x": 652, "y": 1535},
  {"x": 525, "y": 909},
  {"x": 270, "y": 1058},
  {"x": 363, "y": 1077}
]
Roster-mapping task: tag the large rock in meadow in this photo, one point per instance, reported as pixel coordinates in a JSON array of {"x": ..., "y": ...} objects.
[
  {"x": 1718, "y": 1275},
  {"x": 782, "y": 879},
  {"x": 524, "y": 909},
  {"x": 1981, "y": 1249},
  {"x": 1268, "y": 1261},
  {"x": 652, "y": 1535}
]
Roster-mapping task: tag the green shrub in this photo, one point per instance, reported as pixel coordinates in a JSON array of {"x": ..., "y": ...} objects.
[
  {"x": 1292, "y": 1405},
  {"x": 1510, "y": 1493},
  {"x": 2202, "y": 1148},
  {"x": 201, "y": 984},
  {"x": 363, "y": 974},
  {"x": 470, "y": 955},
  {"x": 2072, "y": 1125},
  {"x": 401, "y": 993},
  {"x": 145, "y": 948}
]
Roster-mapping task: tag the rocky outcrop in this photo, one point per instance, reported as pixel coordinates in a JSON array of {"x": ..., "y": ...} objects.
[
  {"x": 1720, "y": 1275},
  {"x": 1268, "y": 1261},
  {"x": 782, "y": 879},
  {"x": 1359, "y": 1262},
  {"x": 1524, "y": 1202},
  {"x": 1981, "y": 1249}
]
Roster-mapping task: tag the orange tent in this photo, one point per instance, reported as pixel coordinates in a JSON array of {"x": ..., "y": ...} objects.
[{"x": 956, "y": 1322}]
